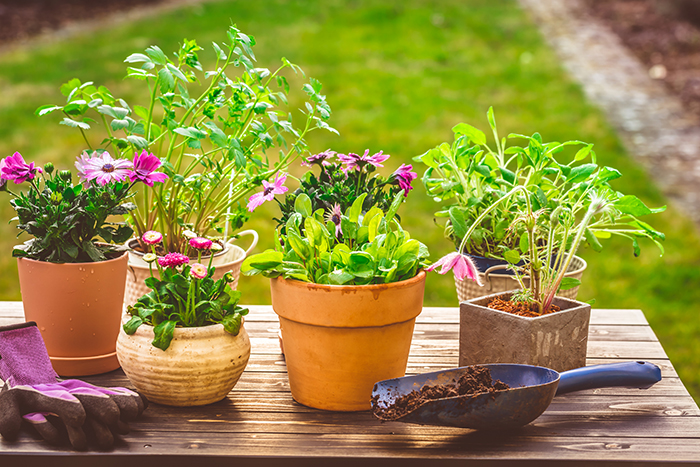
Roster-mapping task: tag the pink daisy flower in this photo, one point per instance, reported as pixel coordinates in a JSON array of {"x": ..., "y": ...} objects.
[
  {"x": 80, "y": 165},
  {"x": 14, "y": 168},
  {"x": 354, "y": 161},
  {"x": 152, "y": 237},
  {"x": 271, "y": 189},
  {"x": 104, "y": 169},
  {"x": 173, "y": 260},
  {"x": 198, "y": 271},
  {"x": 461, "y": 265},
  {"x": 144, "y": 169},
  {"x": 200, "y": 243},
  {"x": 320, "y": 158}
]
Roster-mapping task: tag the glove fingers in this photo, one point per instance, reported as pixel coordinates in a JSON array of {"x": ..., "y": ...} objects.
[
  {"x": 103, "y": 435},
  {"x": 42, "y": 426},
  {"x": 66, "y": 407},
  {"x": 99, "y": 407},
  {"x": 121, "y": 428},
  {"x": 10, "y": 418},
  {"x": 77, "y": 438}
]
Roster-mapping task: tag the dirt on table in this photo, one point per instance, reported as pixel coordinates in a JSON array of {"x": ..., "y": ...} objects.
[{"x": 475, "y": 380}]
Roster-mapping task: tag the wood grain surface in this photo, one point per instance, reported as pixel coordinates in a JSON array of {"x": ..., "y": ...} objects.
[{"x": 260, "y": 424}]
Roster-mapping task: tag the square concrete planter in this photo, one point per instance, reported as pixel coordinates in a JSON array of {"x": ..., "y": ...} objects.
[{"x": 557, "y": 340}]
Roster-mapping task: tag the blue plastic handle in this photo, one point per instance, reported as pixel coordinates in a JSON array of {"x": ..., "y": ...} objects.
[{"x": 631, "y": 374}]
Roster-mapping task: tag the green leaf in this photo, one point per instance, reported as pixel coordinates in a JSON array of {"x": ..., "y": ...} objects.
[
  {"x": 46, "y": 109},
  {"x": 132, "y": 325},
  {"x": 569, "y": 283},
  {"x": 459, "y": 224},
  {"x": 524, "y": 243},
  {"x": 581, "y": 173},
  {"x": 302, "y": 205},
  {"x": 512, "y": 256},
  {"x": 137, "y": 58},
  {"x": 340, "y": 277},
  {"x": 473, "y": 134},
  {"x": 167, "y": 81},
  {"x": 592, "y": 240},
  {"x": 163, "y": 334},
  {"x": 232, "y": 323},
  {"x": 630, "y": 204},
  {"x": 156, "y": 55},
  {"x": 583, "y": 153},
  {"x": 268, "y": 259},
  {"x": 356, "y": 209},
  {"x": 507, "y": 175}
]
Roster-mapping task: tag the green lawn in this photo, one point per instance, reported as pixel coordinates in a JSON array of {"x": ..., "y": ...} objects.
[{"x": 398, "y": 76}]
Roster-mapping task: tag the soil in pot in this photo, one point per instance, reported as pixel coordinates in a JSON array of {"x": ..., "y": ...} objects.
[
  {"x": 528, "y": 310},
  {"x": 475, "y": 380}
]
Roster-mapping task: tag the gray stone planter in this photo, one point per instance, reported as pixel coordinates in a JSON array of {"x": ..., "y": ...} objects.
[{"x": 557, "y": 340}]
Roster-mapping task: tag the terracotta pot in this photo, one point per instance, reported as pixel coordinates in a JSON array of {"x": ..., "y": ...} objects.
[
  {"x": 200, "y": 366},
  {"x": 557, "y": 340},
  {"x": 230, "y": 259},
  {"x": 78, "y": 308},
  {"x": 497, "y": 279},
  {"x": 340, "y": 340}
]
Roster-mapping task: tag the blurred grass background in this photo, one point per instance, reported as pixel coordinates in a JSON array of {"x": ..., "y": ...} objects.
[{"x": 398, "y": 75}]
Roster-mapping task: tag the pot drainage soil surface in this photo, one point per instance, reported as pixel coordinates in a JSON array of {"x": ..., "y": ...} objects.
[
  {"x": 528, "y": 310},
  {"x": 475, "y": 380}
]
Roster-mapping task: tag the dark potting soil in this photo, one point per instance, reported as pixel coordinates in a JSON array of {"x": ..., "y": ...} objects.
[
  {"x": 528, "y": 310},
  {"x": 475, "y": 380}
]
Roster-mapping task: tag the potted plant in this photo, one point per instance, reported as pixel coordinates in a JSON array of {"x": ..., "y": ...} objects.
[
  {"x": 71, "y": 275},
  {"x": 346, "y": 280},
  {"x": 532, "y": 325},
  {"x": 219, "y": 130},
  {"x": 469, "y": 176},
  {"x": 184, "y": 343}
]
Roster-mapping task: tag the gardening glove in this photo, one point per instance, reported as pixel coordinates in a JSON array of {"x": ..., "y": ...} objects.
[{"x": 32, "y": 393}]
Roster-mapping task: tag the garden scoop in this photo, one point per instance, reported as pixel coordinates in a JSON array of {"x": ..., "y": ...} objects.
[{"x": 532, "y": 389}]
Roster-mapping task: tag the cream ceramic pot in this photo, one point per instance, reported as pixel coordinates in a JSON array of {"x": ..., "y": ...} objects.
[{"x": 200, "y": 366}]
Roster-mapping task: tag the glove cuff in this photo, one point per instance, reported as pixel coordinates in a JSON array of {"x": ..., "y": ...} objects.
[{"x": 23, "y": 356}]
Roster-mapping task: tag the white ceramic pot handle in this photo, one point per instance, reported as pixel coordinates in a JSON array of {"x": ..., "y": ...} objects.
[{"x": 251, "y": 232}]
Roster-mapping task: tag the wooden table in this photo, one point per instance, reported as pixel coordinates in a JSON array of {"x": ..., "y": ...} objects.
[{"x": 260, "y": 424}]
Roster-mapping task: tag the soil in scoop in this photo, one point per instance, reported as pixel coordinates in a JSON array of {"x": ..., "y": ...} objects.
[
  {"x": 475, "y": 380},
  {"x": 528, "y": 310}
]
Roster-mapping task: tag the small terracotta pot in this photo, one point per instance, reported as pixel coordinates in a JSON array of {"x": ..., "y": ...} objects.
[
  {"x": 77, "y": 307},
  {"x": 557, "y": 340},
  {"x": 200, "y": 366},
  {"x": 229, "y": 260},
  {"x": 340, "y": 340}
]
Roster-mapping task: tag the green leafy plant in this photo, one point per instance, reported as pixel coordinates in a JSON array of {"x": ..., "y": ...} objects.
[
  {"x": 70, "y": 223},
  {"x": 212, "y": 130},
  {"x": 339, "y": 227},
  {"x": 368, "y": 249},
  {"x": 184, "y": 295},
  {"x": 551, "y": 208}
]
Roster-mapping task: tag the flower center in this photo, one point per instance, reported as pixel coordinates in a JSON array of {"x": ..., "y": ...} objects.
[
  {"x": 268, "y": 190},
  {"x": 335, "y": 218},
  {"x": 108, "y": 168}
]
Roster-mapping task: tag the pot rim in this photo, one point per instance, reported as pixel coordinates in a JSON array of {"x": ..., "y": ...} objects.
[
  {"x": 184, "y": 332},
  {"x": 328, "y": 287},
  {"x": 118, "y": 258}
]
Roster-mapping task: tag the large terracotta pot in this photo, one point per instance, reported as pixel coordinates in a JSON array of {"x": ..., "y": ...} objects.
[
  {"x": 340, "y": 340},
  {"x": 497, "y": 279},
  {"x": 200, "y": 366},
  {"x": 557, "y": 340},
  {"x": 77, "y": 308},
  {"x": 229, "y": 260}
]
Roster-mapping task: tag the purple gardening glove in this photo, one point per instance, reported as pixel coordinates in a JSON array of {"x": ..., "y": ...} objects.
[{"x": 32, "y": 393}]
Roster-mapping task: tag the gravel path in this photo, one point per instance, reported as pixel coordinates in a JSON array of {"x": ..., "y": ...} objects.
[{"x": 655, "y": 128}]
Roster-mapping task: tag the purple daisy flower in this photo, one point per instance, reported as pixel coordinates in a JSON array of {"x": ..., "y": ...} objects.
[
  {"x": 14, "y": 168},
  {"x": 144, "y": 169},
  {"x": 321, "y": 158},
  {"x": 335, "y": 216},
  {"x": 173, "y": 260},
  {"x": 354, "y": 161},
  {"x": 404, "y": 176},
  {"x": 271, "y": 189},
  {"x": 104, "y": 169},
  {"x": 80, "y": 165}
]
